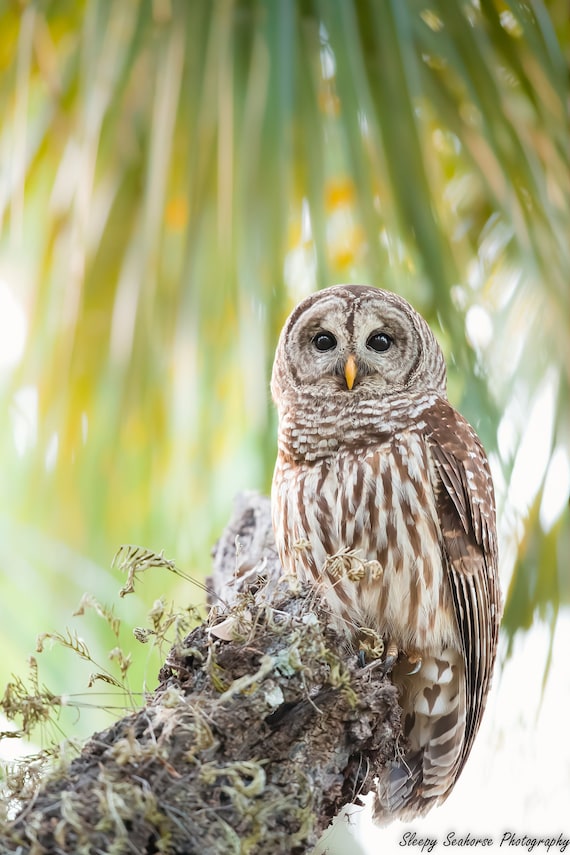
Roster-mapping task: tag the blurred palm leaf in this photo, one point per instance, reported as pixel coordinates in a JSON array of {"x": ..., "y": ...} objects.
[{"x": 175, "y": 175}]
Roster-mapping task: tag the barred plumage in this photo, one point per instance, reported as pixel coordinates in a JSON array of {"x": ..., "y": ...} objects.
[{"x": 383, "y": 500}]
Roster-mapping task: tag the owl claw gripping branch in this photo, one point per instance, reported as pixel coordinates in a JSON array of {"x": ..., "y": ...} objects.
[{"x": 375, "y": 464}]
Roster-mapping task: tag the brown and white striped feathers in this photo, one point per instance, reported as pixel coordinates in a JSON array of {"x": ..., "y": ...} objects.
[{"x": 382, "y": 499}]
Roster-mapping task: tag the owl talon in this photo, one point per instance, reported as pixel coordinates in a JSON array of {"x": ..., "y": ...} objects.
[
  {"x": 391, "y": 657},
  {"x": 414, "y": 660},
  {"x": 388, "y": 663},
  {"x": 416, "y": 666}
]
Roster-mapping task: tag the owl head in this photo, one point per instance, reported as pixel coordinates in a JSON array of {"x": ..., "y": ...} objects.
[{"x": 357, "y": 342}]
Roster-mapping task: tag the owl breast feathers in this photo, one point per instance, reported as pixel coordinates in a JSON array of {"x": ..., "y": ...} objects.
[{"x": 382, "y": 500}]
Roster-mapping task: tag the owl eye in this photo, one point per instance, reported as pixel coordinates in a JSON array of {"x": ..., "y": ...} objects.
[
  {"x": 379, "y": 341},
  {"x": 324, "y": 341}
]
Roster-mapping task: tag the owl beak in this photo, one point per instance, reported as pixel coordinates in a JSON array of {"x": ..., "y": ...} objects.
[{"x": 350, "y": 371}]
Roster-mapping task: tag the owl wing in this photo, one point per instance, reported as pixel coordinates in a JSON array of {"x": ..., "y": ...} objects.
[{"x": 466, "y": 510}]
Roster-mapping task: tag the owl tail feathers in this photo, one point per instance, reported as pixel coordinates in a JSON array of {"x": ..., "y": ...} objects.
[{"x": 398, "y": 791}]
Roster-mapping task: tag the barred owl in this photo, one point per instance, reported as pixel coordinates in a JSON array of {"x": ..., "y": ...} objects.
[{"x": 382, "y": 500}]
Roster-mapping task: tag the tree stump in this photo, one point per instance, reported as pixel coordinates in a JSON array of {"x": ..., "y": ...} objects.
[{"x": 263, "y": 726}]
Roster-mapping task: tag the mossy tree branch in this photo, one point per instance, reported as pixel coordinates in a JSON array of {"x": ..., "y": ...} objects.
[{"x": 262, "y": 727}]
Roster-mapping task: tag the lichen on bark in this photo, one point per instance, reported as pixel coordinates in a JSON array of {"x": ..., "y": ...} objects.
[{"x": 263, "y": 725}]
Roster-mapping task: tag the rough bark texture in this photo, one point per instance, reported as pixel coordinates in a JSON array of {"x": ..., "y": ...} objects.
[{"x": 263, "y": 726}]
